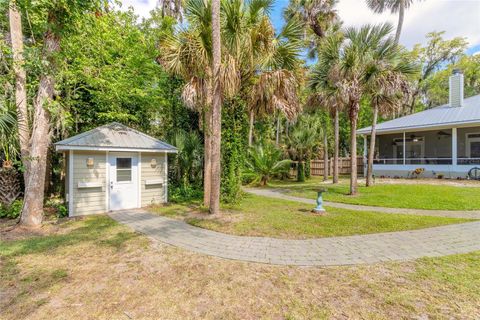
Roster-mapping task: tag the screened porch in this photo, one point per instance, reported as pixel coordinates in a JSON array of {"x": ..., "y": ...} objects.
[{"x": 455, "y": 146}]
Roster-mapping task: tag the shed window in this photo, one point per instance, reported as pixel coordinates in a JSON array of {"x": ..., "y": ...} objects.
[{"x": 124, "y": 169}]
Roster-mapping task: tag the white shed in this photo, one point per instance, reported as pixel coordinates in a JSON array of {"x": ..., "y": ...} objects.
[{"x": 114, "y": 167}]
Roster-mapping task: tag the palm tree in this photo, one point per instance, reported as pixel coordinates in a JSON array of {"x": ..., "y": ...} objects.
[
  {"x": 8, "y": 126},
  {"x": 351, "y": 59},
  {"x": 380, "y": 6},
  {"x": 302, "y": 140},
  {"x": 275, "y": 73},
  {"x": 216, "y": 108},
  {"x": 387, "y": 86},
  {"x": 318, "y": 15},
  {"x": 274, "y": 91},
  {"x": 322, "y": 83},
  {"x": 264, "y": 162},
  {"x": 188, "y": 53},
  {"x": 254, "y": 60}
]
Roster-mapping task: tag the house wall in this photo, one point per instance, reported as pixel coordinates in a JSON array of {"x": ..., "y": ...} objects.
[
  {"x": 89, "y": 200},
  {"x": 153, "y": 179}
]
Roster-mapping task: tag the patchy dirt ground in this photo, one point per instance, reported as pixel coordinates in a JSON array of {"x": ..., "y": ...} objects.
[{"x": 96, "y": 269}]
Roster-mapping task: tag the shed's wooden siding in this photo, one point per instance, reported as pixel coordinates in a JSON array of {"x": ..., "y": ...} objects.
[
  {"x": 153, "y": 193},
  {"x": 89, "y": 200}
]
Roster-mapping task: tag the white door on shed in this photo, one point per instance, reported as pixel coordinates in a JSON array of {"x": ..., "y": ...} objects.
[{"x": 123, "y": 176}]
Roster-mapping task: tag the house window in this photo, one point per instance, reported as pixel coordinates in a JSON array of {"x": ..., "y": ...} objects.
[{"x": 124, "y": 169}]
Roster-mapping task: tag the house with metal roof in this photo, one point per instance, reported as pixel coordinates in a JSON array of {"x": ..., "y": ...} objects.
[
  {"x": 442, "y": 141},
  {"x": 114, "y": 167}
]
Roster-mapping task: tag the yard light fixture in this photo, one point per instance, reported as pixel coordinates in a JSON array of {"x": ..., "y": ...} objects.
[
  {"x": 153, "y": 163},
  {"x": 90, "y": 162}
]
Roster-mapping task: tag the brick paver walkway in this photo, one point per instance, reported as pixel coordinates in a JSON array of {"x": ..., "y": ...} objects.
[
  {"x": 405, "y": 245},
  {"x": 277, "y": 193}
]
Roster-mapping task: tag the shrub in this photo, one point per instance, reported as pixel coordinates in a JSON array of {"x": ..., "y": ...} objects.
[
  {"x": 62, "y": 211},
  {"x": 13, "y": 211},
  {"x": 184, "y": 193},
  {"x": 264, "y": 162},
  {"x": 59, "y": 208}
]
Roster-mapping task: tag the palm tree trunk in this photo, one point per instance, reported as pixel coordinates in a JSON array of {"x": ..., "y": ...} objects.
[
  {"x": 250, "y": 128},
  {"x": 207, "y": 161},
  {"x": 401, "y": 15},
  {"x": 353, "y": 149},
  {"x": 277, "y": 135},
  {"x": 216, "y": 109},
  {"x": 16, "y": 36},
  {"x": 300, "y": 171},
  {"x": 371, "y": 151},
  {"x": 325, "y": 157},
  {"x": 337, "y": 146},
  {"x": 32, "y": 211}
]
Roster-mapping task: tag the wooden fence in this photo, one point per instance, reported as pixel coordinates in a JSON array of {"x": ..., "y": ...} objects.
[{"x": 317, "y": 167}]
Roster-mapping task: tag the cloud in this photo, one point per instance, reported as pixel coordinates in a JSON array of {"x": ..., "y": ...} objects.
[
  {"x": 459, "y": 18},
  {"x": 141, "y": 7}
]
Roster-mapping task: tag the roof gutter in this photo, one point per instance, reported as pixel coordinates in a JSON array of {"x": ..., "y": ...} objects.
[
  {"x": 367, "y": 131},
  {"x": 118, "y": 149}
]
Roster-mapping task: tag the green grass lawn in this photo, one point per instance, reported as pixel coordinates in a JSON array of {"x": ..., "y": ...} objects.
[
  {"x": 262, "y": 216},
  {"x": 95, "y": 268},
  {"x": 414, "y": 196}
]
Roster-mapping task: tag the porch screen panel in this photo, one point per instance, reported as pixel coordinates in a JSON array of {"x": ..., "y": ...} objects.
[
  {"x": 468, "y": 146},
  {"x": 432, "y": 147}
]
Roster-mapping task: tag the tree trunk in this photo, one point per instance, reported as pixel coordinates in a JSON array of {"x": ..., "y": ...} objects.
[
  {"x": 250, "y": 128},
  {"x": 277, "y": 135},
  {"x": 300, "y": 171},
  {"x": 263, "y": 181},
  {"x": 16, "y": 36},
  {"x": 325, "y": 157},
  {"x": 414, "y": 100},
  {"x": 216, "y": 109},
  {"x": 401, "y": 15},
  {"x": 371, "y": 151},
  {"x": 207, "y": 161},
  {"x": 353, "y": 149},
  {"x": 337, "y": 146},
  {"x": 32, "y": 211}
]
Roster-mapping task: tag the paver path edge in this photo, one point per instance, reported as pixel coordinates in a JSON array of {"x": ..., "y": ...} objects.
[{"x": 349, "y": 250}]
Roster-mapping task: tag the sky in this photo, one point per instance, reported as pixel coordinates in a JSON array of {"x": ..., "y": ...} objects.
[{"x": 455, "y": 17}]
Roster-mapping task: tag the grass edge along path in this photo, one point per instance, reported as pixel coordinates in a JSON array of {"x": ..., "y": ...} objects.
[
  {"x": 278, "y": 218},
  {"x": 394, "y": 195}
]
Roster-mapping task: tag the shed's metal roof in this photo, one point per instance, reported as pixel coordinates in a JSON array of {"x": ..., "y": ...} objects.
[
  {"x": 114, "y": 136},
  {"x": 444, "y": 115}
]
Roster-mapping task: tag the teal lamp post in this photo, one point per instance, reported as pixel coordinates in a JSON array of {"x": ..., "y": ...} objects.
[{"x": 319, "y": 208}]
